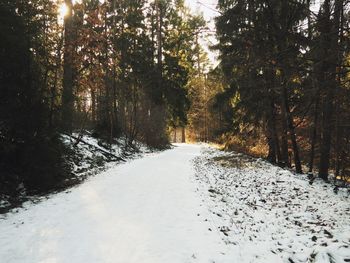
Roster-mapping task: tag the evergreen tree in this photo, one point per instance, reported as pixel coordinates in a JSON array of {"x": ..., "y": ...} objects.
[{"x": 23, "y": 112}]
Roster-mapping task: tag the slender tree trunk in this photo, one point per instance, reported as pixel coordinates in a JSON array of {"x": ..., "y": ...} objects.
[
  {"x": 314, "y": 136},
  {"x": 270, "y": 139},
  {"x": 274, "y": 155},
  {"x": 122, "y": 88},
  {"x": 284, "y": 136},
  {"x": 53, "y": 89},
  {"x": 291, "y": 128},
  {"x": 114, "y": 75},
  {"x": 68, "y": 81},
  {"x": 313, "y": 131},
  {"x": 339, "y": 132},
  {"x": 183, "y": 135},
  {"x": 93, "y": 104},
  {"x": 288, "y": 123},
  {"x": 108, "y": 104},
  {"x": 328, "y": 106},
  {"x": 160, "y": 115},
  {"x": 160, "y": 42},
  {"x": 114, "y": 98}
]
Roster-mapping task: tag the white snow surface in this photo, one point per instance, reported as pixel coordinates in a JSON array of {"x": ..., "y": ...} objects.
[
  {"x": 267, "y": 214},
  {"x": 187, "y": 204},
  {"x": 142, "y": 211}
]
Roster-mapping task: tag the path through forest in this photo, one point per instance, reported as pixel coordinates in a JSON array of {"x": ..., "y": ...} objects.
[
  {"x": 142, "y": 211},
  {"x": 189, "y": 204}
]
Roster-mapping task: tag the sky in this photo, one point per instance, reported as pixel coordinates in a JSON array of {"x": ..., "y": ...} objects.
[{"x": 207, "y": 8}]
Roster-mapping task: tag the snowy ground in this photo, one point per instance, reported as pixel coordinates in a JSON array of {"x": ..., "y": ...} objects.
[
  {"x": 92, "y": 155},
  {"x": 86, "y": 158},
  {"x": 188, "y": 204},
  {"x": 142, "y": 211},
  {"x": 266, "y": 214}
]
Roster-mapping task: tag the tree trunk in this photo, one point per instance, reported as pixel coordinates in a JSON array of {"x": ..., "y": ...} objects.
[
  {"x": 328, "y": 106},
  {"x": 274, "y": 155},
  {"x": 270, "y": 139},
  {"x": 291, "y": 128},
  {"x": 160, "y": 41},
  {"x": 314, "y": 136},
  {"x": 284, "y": 137},
  {"x": 183, "y": 135},
  {"x": 68, "y": 82}
]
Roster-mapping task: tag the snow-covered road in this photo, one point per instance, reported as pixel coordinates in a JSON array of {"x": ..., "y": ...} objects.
[
  {"x": 190, "y": 204},
  {"x": 142, "y": 211}
]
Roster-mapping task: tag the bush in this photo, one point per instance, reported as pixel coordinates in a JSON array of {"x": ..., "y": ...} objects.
[{"x": 37, "y": 164}]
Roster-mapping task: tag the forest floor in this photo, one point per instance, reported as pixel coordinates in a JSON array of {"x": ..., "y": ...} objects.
[
  {"x": 192, "y": 203},
  {"x": 267, "y": 214}
]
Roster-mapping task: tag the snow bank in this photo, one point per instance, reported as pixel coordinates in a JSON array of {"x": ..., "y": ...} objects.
[{"x": 88, "y": 157}]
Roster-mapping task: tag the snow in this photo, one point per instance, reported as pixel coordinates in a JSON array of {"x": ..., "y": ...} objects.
[
  {"x": 88, "y": 160},
  {"x": 187, "y": 204},
  {"x": 268, "y": 214},
  {"x": 89, "y": 157},
  {"x": 142, "y": 211}
]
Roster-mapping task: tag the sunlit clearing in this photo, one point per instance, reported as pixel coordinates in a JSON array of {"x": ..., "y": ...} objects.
[{"x": 63, "y": 11}]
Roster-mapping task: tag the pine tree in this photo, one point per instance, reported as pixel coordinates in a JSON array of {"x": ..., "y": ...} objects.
[{"x": 24, "y": 125}]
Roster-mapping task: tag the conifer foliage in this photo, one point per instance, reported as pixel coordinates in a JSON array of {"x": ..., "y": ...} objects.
[{"x": 287, "y": 72}]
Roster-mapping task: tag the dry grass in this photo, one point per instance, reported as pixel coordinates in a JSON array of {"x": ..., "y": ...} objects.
[{"x": 256, "y": 147}]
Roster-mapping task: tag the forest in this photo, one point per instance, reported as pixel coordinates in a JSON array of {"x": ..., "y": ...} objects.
[
  {"x": 174, "y": 131},
  {"x": 138, "y": 70},
  {"x": 283, "y": 91},
  {"x": 116, "y": 68}
]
